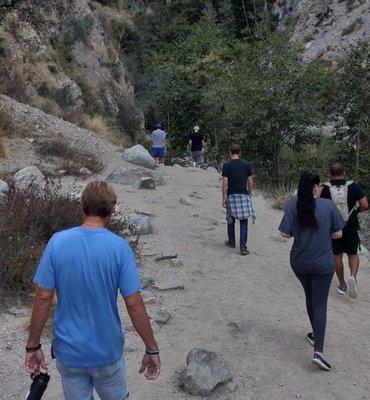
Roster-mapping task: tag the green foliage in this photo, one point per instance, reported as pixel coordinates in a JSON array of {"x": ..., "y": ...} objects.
[
  {"x": 64, "y": 96},
  {"x": 353, "y": 104}
]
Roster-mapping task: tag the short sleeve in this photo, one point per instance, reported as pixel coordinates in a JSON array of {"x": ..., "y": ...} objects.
[
  {"x": 225, "y": 171},
  {"x": 251, "y": 170},
  {"x": 129, "y": 281},
  {"x": 325, "y": 193},
  {"x": 286, "y": 225},
  {"x": 45, "y": 272},
  {"x": 358, "y": 192},
  {"x": 337, "y": 221}
]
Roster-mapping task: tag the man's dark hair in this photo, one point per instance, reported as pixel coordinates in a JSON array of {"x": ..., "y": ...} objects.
[
  {"x": 235, "y": 149},
  {"x": 337, "y": 169}
]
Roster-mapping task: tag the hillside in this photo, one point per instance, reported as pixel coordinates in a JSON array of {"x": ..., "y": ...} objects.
[
  {"x": 64, "y": 57},
  {"x": 326, "y": 28}
]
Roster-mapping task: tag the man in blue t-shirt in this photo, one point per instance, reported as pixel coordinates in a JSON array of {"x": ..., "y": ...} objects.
[{"x": 86, "y": 266}]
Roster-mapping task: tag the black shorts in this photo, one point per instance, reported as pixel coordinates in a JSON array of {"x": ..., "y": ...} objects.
[{"x": 349, "y": 243}]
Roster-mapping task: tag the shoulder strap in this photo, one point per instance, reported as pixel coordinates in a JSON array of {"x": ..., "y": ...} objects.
[
  {"x": 349, "y": 183},
  {"x": 328, "y": 184}
]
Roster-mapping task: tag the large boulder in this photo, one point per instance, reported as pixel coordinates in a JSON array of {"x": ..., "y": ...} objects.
[
  {"x": 30, "y": 179},
  {"x": 138, "y": 155},
  {"x": 204, "y": 372},
  {"x": 3, "y": 188},
  {"x": 131, "y": 176}
]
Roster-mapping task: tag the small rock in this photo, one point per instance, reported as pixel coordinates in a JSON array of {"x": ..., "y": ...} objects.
[
  {"x": 171, "y": 285},
  {"x": 146, "y": 183},
  {"x": 85, "y": 171},
  {"x": 186, "y": 202},
  {"x": 148, "y": 297},
  {"x": 204, "y": 372},
  {"x": 240, "y": 326},
  {"x": 160, "y": 316},
  {"x": 131, "y": 176},
  {"x": 212, "y": 170}
]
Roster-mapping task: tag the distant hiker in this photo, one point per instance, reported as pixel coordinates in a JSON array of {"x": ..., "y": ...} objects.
[
  {"x": 350, "y": 200},
  {"x": 196, "y": 144},
  {"x": 158, "y": 144},
  {"x": 313, "y": 222},
  {"x": 86, "y": 266},
  {"x": 237, "y": 187}
]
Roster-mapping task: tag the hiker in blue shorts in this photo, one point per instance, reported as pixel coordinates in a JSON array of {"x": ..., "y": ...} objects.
[{"x": 158, "y": 144}]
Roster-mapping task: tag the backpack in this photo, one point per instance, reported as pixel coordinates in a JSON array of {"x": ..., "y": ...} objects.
[{"x": 339, "y": 195}]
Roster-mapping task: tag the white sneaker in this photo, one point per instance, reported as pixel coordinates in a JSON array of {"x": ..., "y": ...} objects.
[{"x": 352, "y": 287}]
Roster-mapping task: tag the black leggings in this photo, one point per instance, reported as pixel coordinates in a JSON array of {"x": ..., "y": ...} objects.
[{"x": 316, "y": 288}]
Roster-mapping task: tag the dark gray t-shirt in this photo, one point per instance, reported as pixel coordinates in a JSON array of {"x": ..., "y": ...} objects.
[{"x": 312, "y": 251}]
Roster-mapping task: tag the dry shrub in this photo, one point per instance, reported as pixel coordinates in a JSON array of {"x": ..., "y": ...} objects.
[
  {"x": 28, "y": 222},
  {"x": 71, "y": 159},
  {"x": 280, "y": 196},
  {"x": 99, "y": 126},
  {"x": 2, "y": 149},
  {"x": 8, "y": 127}
]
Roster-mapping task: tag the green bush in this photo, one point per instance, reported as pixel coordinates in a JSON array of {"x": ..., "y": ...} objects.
[{"x": 64, "y": 96}]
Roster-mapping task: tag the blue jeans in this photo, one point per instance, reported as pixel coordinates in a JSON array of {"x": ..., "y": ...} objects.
[
  {"x": 243, "y": 233},
  {"x": 109, "y": 381}
]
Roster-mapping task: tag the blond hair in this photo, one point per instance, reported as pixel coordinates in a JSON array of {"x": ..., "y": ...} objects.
[{"x": 98, "y": 199}]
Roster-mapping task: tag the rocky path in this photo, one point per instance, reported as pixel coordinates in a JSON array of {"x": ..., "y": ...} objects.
[{"x": 268, "y": 357}]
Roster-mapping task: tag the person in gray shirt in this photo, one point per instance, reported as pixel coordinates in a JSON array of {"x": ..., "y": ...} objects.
[
  {"x": 313, "y": 222},
  {"x": 158, "y": 144}
]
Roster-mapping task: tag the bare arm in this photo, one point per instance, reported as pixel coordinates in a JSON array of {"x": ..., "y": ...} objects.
[
  {"x": 363, "y": 205},
  {"x": 224, "y": 190},
  {"x": 40, "y": 314},
  {"x": 250, "y": 185},
  {"x": 336, "y": 235},
  {"x": 140, "y": 320}
]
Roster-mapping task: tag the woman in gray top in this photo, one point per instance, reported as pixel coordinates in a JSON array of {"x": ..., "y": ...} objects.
[{"x": 313, "y": 222}]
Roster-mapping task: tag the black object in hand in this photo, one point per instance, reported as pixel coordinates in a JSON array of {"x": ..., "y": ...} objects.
[{"x": 38, "y": 386}]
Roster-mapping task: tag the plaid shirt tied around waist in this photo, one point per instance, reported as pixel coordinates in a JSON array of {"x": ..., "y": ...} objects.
[{"x": 239, "y": 206}]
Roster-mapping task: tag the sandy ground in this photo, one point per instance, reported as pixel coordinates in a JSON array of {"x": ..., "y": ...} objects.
[{"x": 271, "y": 360}]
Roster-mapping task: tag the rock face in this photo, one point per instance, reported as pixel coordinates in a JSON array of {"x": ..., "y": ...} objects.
[
  {"x": 30, "y": 178},
  {"x": 160, "y": 316},
  {"x": 3, "y": 188},
  {"x": 64, "y": 60},
  {"x": 138, "y": 155},
  {"x": 131, "y": 176},
  {"x": 326, "y": 27},
  {"x": 204, "y": 372}
]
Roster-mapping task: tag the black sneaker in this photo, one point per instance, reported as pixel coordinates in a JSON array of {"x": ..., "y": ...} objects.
[
  {"x": 321, "y": 363},
  {"x": 244, "y": 252},
  {"x": 228, "y": 244},
  {"x": 309, "y": 338}
]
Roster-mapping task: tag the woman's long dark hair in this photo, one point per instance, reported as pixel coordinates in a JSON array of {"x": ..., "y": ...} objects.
[{"x": 306, "y": 201}]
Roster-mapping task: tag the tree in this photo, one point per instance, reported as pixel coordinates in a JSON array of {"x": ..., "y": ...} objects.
[
  {"x": 268, "y": 100},
  {"x": 353, "y": 104}
]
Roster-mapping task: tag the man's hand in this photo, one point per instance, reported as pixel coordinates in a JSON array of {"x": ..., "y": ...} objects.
[
  {"x": 34, "y": 361},
  {"x": 151, "y": 365}
]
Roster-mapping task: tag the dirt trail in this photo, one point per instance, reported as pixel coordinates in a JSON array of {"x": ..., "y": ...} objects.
[{"x": 271, "y": 360}]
